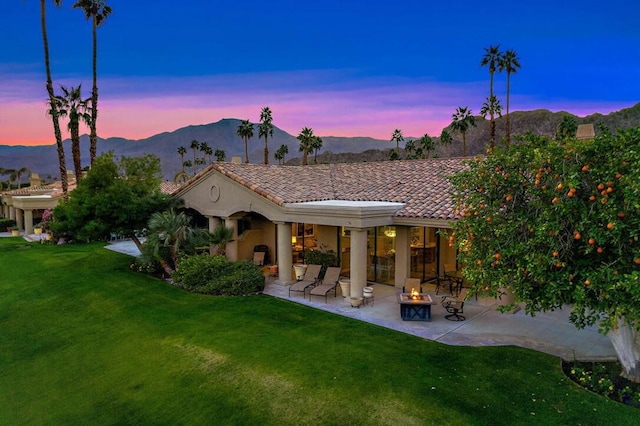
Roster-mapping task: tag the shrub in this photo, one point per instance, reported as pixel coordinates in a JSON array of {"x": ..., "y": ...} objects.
[
  {"x": 7, "y": 223},
  {"x": 324, "y": 258},
  {"x": 218, "y": 276}
]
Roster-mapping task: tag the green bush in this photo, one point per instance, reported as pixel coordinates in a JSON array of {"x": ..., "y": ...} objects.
[
  {"x": 6, "y": 223},
  {"x": 324, "y": 258},
  {"x": 218, "y": 276}
]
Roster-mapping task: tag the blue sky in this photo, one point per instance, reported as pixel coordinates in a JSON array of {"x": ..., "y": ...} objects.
[{"x": 344, "y": 68}]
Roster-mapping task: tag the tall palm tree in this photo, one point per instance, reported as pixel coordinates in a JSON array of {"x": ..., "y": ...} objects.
[
  {"x": 397, "y": 137},
  {"x": 71, "y": 105},
  {"x": 265, "y": 129},
  {"x": 245, "y": 131},
  {"x": 306, "y": 138},
  {"x": 463, "y": 119},
  {"x": 316, "y": 145},
  {"x": 509, "y": 63},
  {"x": 52, "y": 98},
  {"x": 491, "y": 59},
  {"x": 195, "y": 146},
  {"x": 97, "y": 11},
  {"x": 21, "y": 172},
  {"x": 181, "y": 152}
]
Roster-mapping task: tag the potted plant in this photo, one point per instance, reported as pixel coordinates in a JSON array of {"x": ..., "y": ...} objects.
[{"x": 8, "y": 224}]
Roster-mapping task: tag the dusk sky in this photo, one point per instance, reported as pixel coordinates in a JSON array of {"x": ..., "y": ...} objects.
[{"x": 343, "y": 68}]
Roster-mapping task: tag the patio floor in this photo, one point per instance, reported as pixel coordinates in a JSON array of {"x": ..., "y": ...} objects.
[{"x": 549, "y": 332}]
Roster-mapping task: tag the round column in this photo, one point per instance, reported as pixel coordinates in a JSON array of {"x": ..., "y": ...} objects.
[
  {"x": 358, "y": 261},
  {"x": 285, "y": 262}
]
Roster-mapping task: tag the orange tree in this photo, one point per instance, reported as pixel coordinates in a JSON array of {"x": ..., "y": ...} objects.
[{"x": 558, "y": 223}]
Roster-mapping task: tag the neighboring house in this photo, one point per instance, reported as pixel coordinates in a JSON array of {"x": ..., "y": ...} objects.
[
  {"x": 585, "y": 131},
  {"x": 383, "y": 219},
  {"x": 26, "y": 205}
]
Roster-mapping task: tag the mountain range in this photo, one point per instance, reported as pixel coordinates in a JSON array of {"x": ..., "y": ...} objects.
[{"x": 222, "y": 135}]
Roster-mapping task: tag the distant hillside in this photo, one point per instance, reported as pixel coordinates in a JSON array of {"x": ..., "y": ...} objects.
[{"x": 222, "y": 135}]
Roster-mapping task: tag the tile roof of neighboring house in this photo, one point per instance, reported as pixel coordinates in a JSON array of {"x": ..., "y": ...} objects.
[
  {"x": 169, "y": 187},
  {"x": 421, "y": 184},
  {"x": 585, "y": 131},
  {"x": 53, "y": 188}
]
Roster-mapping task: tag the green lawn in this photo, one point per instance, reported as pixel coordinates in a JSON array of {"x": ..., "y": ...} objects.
[{"x": 83, "y": 340}]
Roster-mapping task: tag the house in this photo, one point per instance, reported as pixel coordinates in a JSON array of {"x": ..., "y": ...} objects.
[{"x": 386, "y": 220}]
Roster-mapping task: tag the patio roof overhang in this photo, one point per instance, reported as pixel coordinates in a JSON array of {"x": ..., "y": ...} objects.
[
  {"x": 357, "y": 214},
  {"x": 34, "y": 202}
]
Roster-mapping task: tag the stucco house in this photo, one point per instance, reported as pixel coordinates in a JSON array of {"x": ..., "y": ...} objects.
[{"x": 384, "y": 219}]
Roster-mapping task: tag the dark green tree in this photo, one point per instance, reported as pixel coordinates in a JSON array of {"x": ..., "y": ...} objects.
[
  {"x": 265, "y": 129},
  {"x": 509, "y": 63},
  {"x": 245, "y": 131},
  {"x": 491, "y": 59},
  {"x": 462, "y": 120},
  {"x": 71, "y": 105},
  {"x": 306, "y": 138}
]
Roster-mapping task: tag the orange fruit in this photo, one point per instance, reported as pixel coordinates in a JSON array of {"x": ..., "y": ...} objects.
[
  {"x": 592, "y": 198},
  {"x": 610, "y": 225},
  {"x": 570, "y": 194},
  {"x": 555, "y": 200},
  {"x": 600, "y": 186},
  {"x": 559, "y": 187},
  {"x": 636, "y": 260},
  {"x": 497, "y": 255},
  {"x": 592, "y": 241},
  {"x": 618, "y": 175},
  {"x": 621, "y": 215},
  {"x": 509, "y": 198},
  {"x": 587, "y": 282},
  {"x": 610, "y": 184},
  {"x": 489, "y": 219},
  {"x": 585, "y": 168},
  {"x": 555, "y": 254},
  {"x": 479, "y": 262},
  {"x": 600, "y": 250},
  {"x": 577, "y": 236}
]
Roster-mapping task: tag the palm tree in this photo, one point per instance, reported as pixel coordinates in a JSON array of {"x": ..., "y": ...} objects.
[
  {"x": 316, "y": 145},
  {"x": 427, "y": 144},
  {"x": 411, "y": 151},
  {"x": 220, "y": 155},
  {"x": 219, "y": 239},
  {"x": 281, "y": 153},
  {"x": 397, "y": 137},
  {"x": 245, "y": 131},
  {"x": 445, "y": 137},
  {"x": 19, "y": 173},
  {"x": 195, "y": 145},
  {"x": 72, "y": 105},
  {"x": 181, "y": 152},
  {"x": 187, "y": 164},
  {"x": 491, "y": 106},
  {"x": 492, "y": 57},
  {"x": 266, "y": 130},
  {"x": 509, "y": 63},
  {"x": 97, "y": 11},
  {"x": 205, "y": 149},
  {"x": 168, "y": 229},
  {"x": 567, "y": 128},
  {"x": 306, "y": 138},
  {"x": 462, "y": 120},
  {"x": 52, "y": 98}
]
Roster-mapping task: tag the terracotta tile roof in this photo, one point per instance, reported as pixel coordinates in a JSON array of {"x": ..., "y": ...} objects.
[
  {"x": 421, "y": 184},
  {"x": 169, "y": 187},
  {"x": 53, "y": 188}
]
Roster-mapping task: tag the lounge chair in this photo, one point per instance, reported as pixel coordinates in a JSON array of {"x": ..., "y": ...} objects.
[
  {"x": 309, "y": 279},
  {"x": 329, "y": 282},
  {"x": 258, "y": 258},
  {"x": 455, "y": 305}
]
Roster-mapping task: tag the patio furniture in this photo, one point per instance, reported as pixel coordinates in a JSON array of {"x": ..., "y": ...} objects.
[
  {"x": 415, "y": 307},
  {"x": 329, "y": 283},
  {"x": 410, "y": 283},
  {"x": 309, "y": 279},
  {"x": 455, "y": 306},
  {"x": 258, "y": 258}
]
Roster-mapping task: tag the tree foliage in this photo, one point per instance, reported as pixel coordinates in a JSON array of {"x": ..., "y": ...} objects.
[
  {"x": 113, "y": 198},
  {"x": 559, "y": 224}
]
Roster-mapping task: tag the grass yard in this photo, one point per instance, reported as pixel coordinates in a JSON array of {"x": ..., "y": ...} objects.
[{"x": 83, "y": 340}]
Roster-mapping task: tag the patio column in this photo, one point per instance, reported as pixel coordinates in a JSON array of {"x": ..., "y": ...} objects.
[
  {"x": 19, "y": 221},
  {"x": 403, "y": 255},
  {"x": 28, "y": 222},
  {"x": 285, "y": 261},
  {"x": 358, "y": 261},
  {"x": 232, "y": 247},
  {"x": 12, "y": 212},
  {"x": 213, "y": 223}
]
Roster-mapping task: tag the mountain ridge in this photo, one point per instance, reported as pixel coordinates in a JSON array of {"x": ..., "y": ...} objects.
[{"x": 42, "y": 159}]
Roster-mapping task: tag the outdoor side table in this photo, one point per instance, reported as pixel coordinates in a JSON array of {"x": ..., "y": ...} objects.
[{"x": 415, "y": 309}]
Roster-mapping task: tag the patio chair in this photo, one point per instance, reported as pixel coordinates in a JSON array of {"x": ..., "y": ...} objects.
[
  {"x": 455, "y": 305},
  {"x": 258, "y": 258},
  {"x": 329, "y": 283},
  {"x": 309, "y": 279},
  {"x": 410, "y": 283}
]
